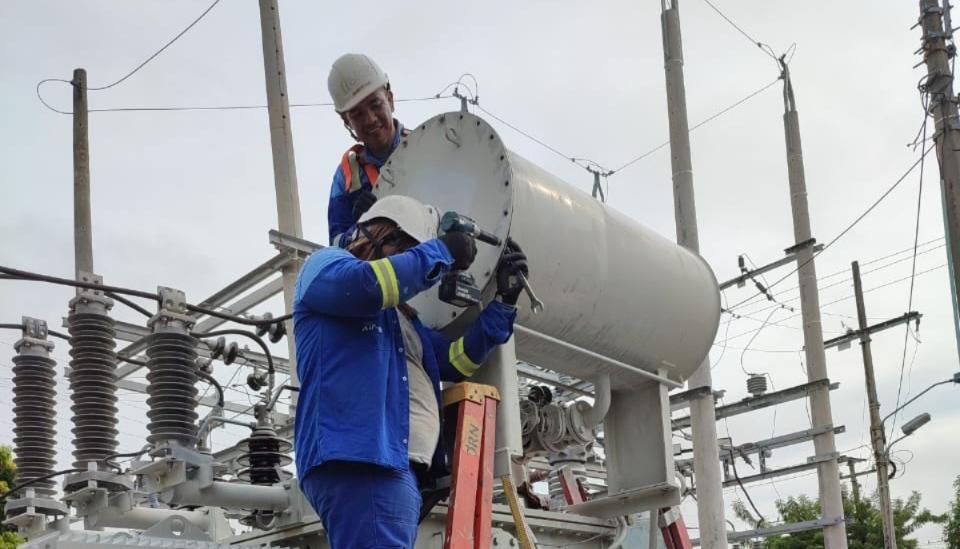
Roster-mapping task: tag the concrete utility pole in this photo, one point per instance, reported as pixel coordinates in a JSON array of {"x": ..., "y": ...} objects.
[
  {"x": 82, "y": 232},
  {"x": 284, "y": 167},
  {"x": 828, "y": 472},
  {"x": 854, "y": 483},
  {"x": 943, "y": 106},
  {"x": 877, "y": 436},
  {"x": 706, "y": 454}
]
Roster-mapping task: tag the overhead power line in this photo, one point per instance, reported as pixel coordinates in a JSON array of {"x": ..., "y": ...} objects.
[
  {"x": 700, "y": 124},
  {"x": 913, "y": 268},
  {"x": 765, "y": 48},
  {"x": 847, "y": 229},
  {"x": 760, "y": 299}
]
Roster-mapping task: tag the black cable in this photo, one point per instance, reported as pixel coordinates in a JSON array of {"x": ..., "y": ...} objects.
[
  {"x": 27, "y": 275},
  {"x": 733, "y": 463},
  {"x": 128, "y": 454},
  {"x": 33, "y": 481},
  {"x": 158, "y": 52},
  {"x": 259, "y": 340},
  {"x": 846, "y": 230},
  {"x": 913, "y": 267},
  {"x": 239, "y": 319},
  {"x": 131, "y": 360},
  {"x": 756, "y": 42},
  {"x": 128, "y": 303},
  {"x": 215, "y": 384},
  {"x": 54, "y": 333}
]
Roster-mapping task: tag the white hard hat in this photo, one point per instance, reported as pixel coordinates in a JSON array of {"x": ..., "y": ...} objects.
[
  {"x": 352, "y": 78},
  {"x": 418, "y": 220}
]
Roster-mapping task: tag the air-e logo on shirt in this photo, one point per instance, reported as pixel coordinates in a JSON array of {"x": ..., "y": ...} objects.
[{"x": 370, "y": 327}]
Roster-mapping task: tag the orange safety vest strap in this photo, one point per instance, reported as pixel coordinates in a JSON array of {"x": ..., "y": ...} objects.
[{"x": 350, "y": 164}]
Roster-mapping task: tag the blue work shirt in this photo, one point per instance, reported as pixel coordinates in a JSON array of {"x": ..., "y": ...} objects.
[
  {"x": 354, "y": 402},
  {"x": 340, "y": 219}
]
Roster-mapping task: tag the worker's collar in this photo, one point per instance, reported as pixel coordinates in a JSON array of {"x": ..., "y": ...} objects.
[{"x": 369, "y": 158}]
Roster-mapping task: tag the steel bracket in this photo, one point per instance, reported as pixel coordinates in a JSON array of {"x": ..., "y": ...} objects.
[
  {"x": 820, "y": 458},
  {"x": 89, "y": 299}
]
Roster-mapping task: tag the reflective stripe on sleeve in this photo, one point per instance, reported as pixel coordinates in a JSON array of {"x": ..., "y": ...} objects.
[
  {"x": 387, "y": 279},
  {"x": 460, "y": 360}
]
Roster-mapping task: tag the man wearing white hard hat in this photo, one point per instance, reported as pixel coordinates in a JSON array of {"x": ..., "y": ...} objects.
[
  {"x": 363, "y": 99},
  {"x": 368, "y": 423}
]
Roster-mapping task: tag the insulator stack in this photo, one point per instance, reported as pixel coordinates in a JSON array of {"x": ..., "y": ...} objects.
[
  {"x": 172, "y": 388},
  {"x": 34, "y": 408},
  {"x": 266, "y": 454},
  {"x": 757, "y": 384},
  {"x": 93, "y": 378}
]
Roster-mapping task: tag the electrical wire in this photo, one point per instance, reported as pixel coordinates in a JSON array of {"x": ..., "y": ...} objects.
[
  {"x": 216, "y": 384},
  {"x": 158, "y": 52},
  {"x": 913, "y": 267},
  {"x": 746, "y": 314},
  {"x": 54, "y": 333},
  {"x": 120, "y": 299},
  {"x": 757, "y": 333},
  {"x": 700, "y": 124},
  {"x": 763, "y": 47},
  {"x": 736, "y": 475},
  {"x": 256, "y": 339},
  {"x": 758, "y": 299},
  {"x": 848, "y": 227},
  {"x": 31, "y": 482},
  {"x": 19, "y": 274},
  {"x": 214, "y": 107}
]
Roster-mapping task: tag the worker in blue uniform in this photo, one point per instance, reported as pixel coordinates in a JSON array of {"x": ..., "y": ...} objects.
[
  {"x": 363, "y": 99},
  {"x": 368, "y": 420}
]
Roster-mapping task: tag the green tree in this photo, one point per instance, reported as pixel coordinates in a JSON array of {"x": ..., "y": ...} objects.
[
  {"x": 8, "y": 470},
  {"x": 951, "y": 530},
  {"x": 864, "y": 524}
]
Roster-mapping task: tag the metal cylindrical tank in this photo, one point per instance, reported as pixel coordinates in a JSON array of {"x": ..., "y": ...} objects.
[{"x": 610, "y": 285}]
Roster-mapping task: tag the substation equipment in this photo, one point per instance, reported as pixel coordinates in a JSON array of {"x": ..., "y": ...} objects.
[{"x": 629, "y": 315}]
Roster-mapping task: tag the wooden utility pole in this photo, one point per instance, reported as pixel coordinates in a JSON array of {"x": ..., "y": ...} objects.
[
  {"x": 828, "y": 472},
  {"x": 943, "y": 107},
  {"x": 706, "y": 454},
  {"x": 284, "y": 166},
  {"x": 878, "y": 438},
  {"x": 82, "y": 232}
]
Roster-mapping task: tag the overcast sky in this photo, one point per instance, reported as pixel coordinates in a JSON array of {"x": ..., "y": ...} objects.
[{"x": 185, "y": 199}]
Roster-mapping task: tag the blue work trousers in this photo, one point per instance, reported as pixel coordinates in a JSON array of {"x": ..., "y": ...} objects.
[{"x": 364, "y": 506}]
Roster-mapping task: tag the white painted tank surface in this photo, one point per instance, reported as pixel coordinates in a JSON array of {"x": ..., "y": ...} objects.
[{"x": 609, "y": 284}]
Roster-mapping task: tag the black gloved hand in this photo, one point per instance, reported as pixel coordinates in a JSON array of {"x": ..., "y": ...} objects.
[
  {"x": 513, "y": 262},
  {"x": 462, "y": 247},
  {"x": 362, "y": 203}
]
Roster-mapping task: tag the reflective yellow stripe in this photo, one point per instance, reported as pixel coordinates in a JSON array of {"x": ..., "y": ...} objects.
[
  {"x": 392, "y": 277},
  {"x": 354, "y": 172},
  {"x": 387, "y": 280},
  {"x": 460, "y": 360}
]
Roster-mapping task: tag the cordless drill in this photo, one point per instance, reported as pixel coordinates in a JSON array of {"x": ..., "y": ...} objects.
[{"x": 459, "y": 288}]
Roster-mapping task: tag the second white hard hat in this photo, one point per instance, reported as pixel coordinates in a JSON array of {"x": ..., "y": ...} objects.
[
  {"x": 418, "y": 220},
  {"x": 352, "y": 78}
]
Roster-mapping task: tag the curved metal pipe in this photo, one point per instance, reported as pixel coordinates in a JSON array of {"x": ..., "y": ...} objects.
[{"x": 601, "y": 401}]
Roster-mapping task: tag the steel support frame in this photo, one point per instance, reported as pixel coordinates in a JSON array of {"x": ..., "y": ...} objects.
[
  {"x": 778, "y": 530},
  {"x": 763, "y": 401}
]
